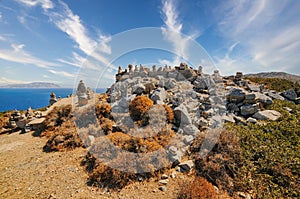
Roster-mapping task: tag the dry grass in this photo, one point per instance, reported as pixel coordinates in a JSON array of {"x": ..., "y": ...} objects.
[
  {"x": 170, "y": 113},
  {"x": 4, "y": 118},
  {"x": 220, "y": 165},
  {"x": 199, "y": 188}
]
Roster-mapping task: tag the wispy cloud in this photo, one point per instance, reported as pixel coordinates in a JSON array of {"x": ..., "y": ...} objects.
[
  {"x": 268, "y": 32},
  {"x": 4, "y": 81},
  {"x": 17, "y": 54},
  {"x": 45, "y": 4},
  {"x": 62, "y": 73},
  {"x": 68, "y": 22},
  {"x": 172, "y": 31}
]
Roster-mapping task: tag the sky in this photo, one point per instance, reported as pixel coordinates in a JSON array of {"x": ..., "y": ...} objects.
[{"x": 62, "y": 41}]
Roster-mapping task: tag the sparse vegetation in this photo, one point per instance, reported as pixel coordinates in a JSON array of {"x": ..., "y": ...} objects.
[
  {"x": 4, "y": 118},
  {"x": 261, "y": 159},
  {"x": 277, "y": 84}
]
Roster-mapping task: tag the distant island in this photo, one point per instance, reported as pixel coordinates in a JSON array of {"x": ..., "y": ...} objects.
[{"x": 32, "y": 85}]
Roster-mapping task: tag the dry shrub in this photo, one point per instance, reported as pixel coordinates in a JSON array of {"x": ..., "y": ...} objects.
[
  {"x": 121, "y": 170},
  {"x": 139, "y": 107},
  {"x": 141, "y": 145},
  {"x": 57, "y": 117},
  {"x": 198, "y": 188},
  {"x": 63, "y": 138},
  {"x": 220, "y": 165},
  {"x": 103, "y": 110},
  {"x": 106, "y": 125},
  {"x": 4, "y": 118},
  {"x": 59, "y": 127},
  {"x": 104, "y": 176},
  {"x": 170, "y": 113}
]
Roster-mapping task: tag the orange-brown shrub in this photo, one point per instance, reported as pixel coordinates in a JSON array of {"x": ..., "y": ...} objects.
[
  {"x": 57, "y": 117},
  {"x": 199, "y": 188},
  {"x": 4, "y": 118},
  {"x": 220, "y": 165},
  {"x": 106, "y": 125},
  {"x": 139, "y": 107},
  {"x": 63, "y": 138},
  {"x": 170, "y": 113},
  {"x": 141, "y": 145},
  {"x": 103, "y": 110}
]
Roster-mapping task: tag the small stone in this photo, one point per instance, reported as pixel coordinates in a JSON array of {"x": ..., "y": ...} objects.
[
  {"x": 173, "y": 174},
  {"x": 165, "y": 181},
  {"x": 188, "y": 139},
  {"x": 164, "y": 176},
  {"x": 162, "y": 188},
  {"x": 186, "y": 166},
  {"x": 252, "y": 120}
]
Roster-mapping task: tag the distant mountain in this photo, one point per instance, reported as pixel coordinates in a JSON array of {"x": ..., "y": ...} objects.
[
  {"x": 282, "y": 75},
  {"x": 32, "y": 85}
]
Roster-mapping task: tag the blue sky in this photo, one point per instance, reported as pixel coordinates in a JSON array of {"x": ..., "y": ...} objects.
[{"x": 62, "y": 41}]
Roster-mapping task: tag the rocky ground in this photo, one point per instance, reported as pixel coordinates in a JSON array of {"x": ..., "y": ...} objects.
[
  {"x": 28, "y": 172},
  {"x": 180, "y": 105}
]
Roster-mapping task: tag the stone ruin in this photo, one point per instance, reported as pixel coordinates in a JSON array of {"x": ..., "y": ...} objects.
[
  {"x": 82, "y": 93},
  {"x": 52, "y": 99},
  {"x": 21, "y": 120}
]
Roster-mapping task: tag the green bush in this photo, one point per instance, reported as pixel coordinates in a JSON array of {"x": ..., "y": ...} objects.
[{"x": 277, "y": 84}]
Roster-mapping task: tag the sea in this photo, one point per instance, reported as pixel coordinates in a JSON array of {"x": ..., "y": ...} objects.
[{"x": 23, "y": 98}]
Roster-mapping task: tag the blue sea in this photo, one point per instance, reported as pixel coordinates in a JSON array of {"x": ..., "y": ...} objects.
[{"x": 22, "y": 98}]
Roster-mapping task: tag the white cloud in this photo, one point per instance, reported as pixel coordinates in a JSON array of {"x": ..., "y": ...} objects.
[
  {"x": 269, "y": 33},
  {"x": 45, "y": 4},
  {"x": 71, "y": 24},
  {"x": 2, "y": 38},
  {"x": 172, "y": 31},
  {"x": 62, "y": 73},
  {"x": 4, "y": 81},
  {"x": 19, "y": 55}
]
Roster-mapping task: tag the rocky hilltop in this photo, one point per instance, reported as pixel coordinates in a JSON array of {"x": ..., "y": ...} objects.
[
  {"x": 281, "y": 75},
  {"x": 32, "y": 85},
  {"x": 174, "y": 132}
]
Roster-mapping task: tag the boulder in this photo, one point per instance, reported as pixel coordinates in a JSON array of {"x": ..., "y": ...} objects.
[
  {"x": 138, "y": 89},
  {"x": 265, "y": 100},
  {"x": 170, "y": 83},
  {"x": 175, "y": 155},
  {"x": 190, "y": 129},
  {"x": 254, "y": 88},
  {"x": 275, "y": 96},
  {"x": 249, "y": 109},
  {"x": 267, "y": 115},
  {"x": 159, "y": 95},
  {"x": 182, "y": 115},
  {"x": 289, "y": 94},
  {"x": 203, "y": 82},
  {"x": 186, "y": 166},
  {"x": 236, "y": 95}
]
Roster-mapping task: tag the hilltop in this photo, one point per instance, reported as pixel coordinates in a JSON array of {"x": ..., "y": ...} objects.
[
  {"x": 32, "y": 85},
  {"x": 167, "y": 132},
  {"x": 281, "y": 75}
]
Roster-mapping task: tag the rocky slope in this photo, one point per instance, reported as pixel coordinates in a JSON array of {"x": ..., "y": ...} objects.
[{"x": 158, "y": 129}]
